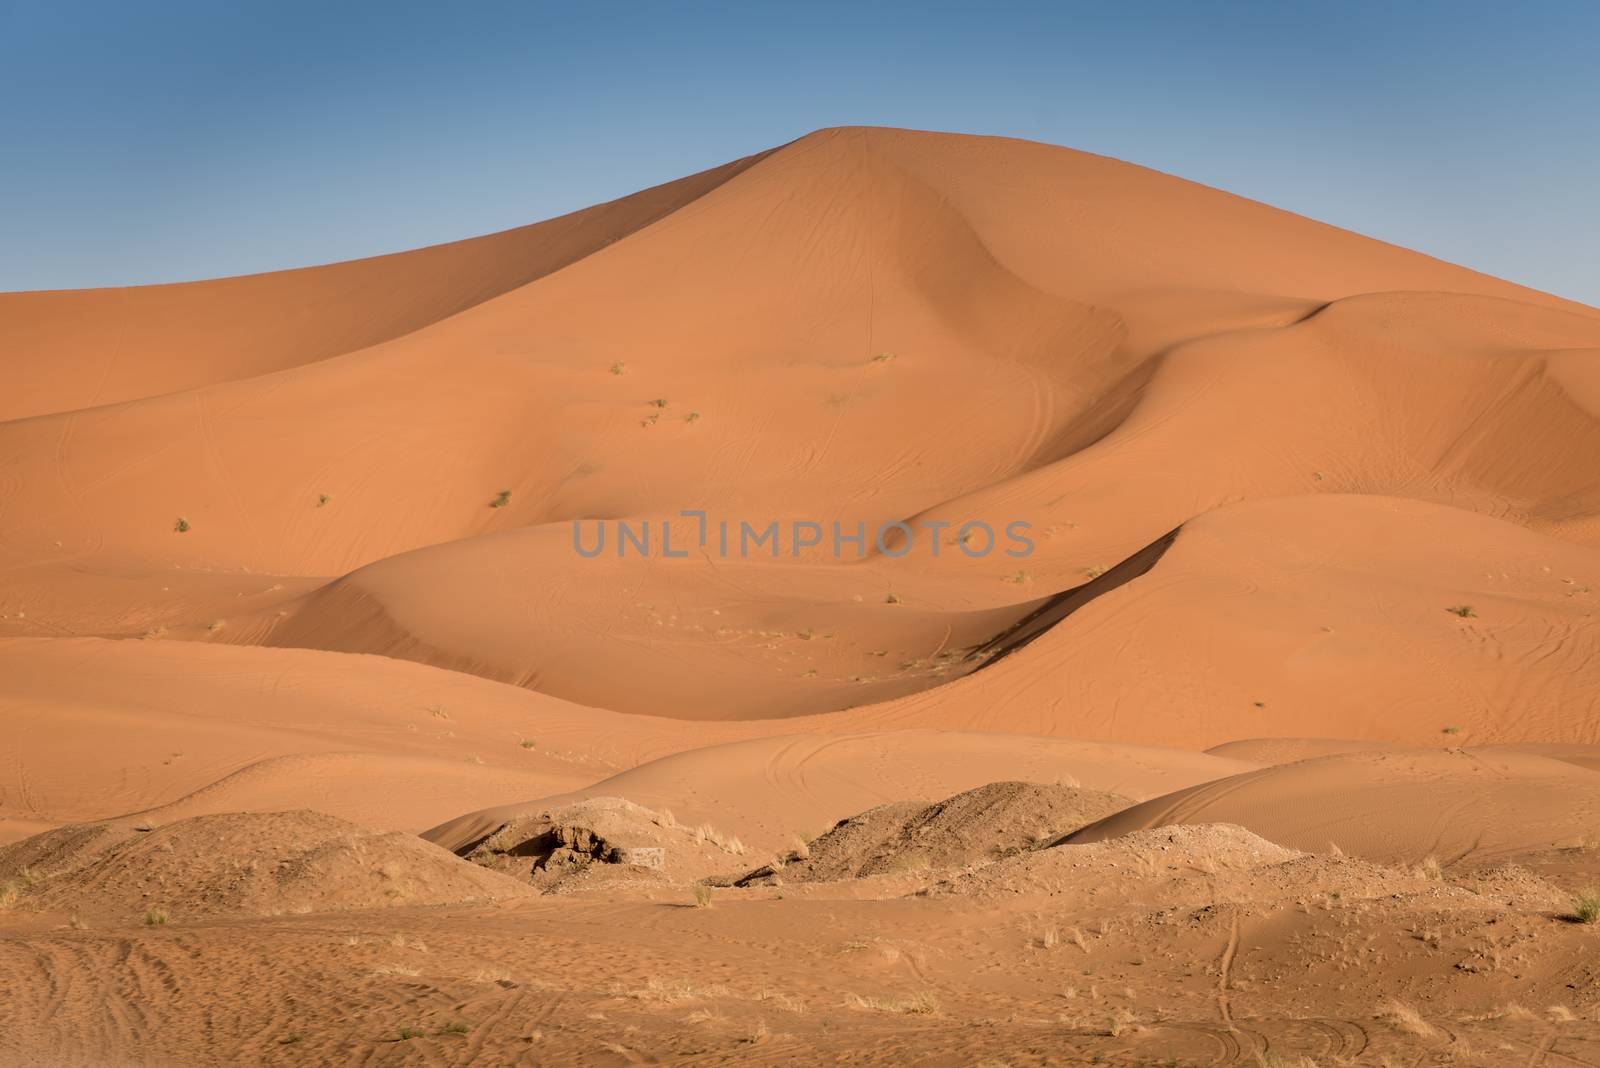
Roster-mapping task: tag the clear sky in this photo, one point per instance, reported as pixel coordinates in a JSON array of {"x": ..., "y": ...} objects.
[{"x": 180, "y": 139}]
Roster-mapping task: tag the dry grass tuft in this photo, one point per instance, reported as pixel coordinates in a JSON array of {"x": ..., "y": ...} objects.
[
  {"x": 1407, "y": 1019},
  {"x": 923, "y": 1003}
]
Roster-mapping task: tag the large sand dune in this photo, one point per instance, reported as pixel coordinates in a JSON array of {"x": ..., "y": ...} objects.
[{"x": 1316, "y": 529}]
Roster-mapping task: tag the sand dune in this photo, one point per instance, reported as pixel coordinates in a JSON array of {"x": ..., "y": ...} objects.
[
  {"x": 1310, "y": 513},
  {"x": 1399, "y": 806}
]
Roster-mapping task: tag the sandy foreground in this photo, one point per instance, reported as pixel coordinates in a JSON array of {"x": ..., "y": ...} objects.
[{"x": 323, "y": 745}]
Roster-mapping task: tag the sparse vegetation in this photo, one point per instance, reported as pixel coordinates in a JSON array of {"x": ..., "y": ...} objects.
[
  {"x": 1406, "y": 1019},
  {"x": 406, "y": 1034},
  {"x": 892, "y": 598},
  {"x": 1273, "y": 1059},
  {"x": 619, "y": 368},
  {"x": 1018, "y": 578},
  {"x": 1465, "y": 611},
  {"x": 923, "y": 1003},
  {"x": 726, "y": 842},
  {"x": 1586, "y": 906},
  {"x": 1450, "y": 730},
  {"x": 455, "y": 1027},
  {"x": 659, "y": 402},
  {"x": 883, "y": 357},
  {"x": 1094, "y": 571},
  {"x": 323, "y": 499},
  {"x": 501, "y": 499},
  {"x": 702, "y": 896},
  {"x": 692, "y": 417},
  {"x": 1430, "y": 868},
  {"x": 157, "y": 917},
  {"x": 181, "y": 526},
  {"x": 1118, "y": 1022},
  {"x": 528, "y": 743}
]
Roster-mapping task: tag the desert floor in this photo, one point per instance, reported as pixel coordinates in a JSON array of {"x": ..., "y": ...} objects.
[{"x": 323, "y": 745}]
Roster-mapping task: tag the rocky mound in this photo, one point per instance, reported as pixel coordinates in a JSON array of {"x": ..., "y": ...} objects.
[
  {"x": 973, "y": 827},
  {"x": 602, "y": 840},
  {"x": 237, "y": 863}
]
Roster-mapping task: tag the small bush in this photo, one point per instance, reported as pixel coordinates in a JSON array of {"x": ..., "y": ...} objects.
[
  {"x": 702, "y": 896},
  {"x": 408, "y": 1033},
  {"x": 455, "y": 1027},
  {"x": 501, "y": 499},
  {"x": 322, "y": 499},
  {"x": 1465, "y": 611},
  {"x": 181, "y": 526},
  {"x": 157, "y": 917},
  {"x": 1586, "y": 907},
  {"x": 619, "y": 368}
]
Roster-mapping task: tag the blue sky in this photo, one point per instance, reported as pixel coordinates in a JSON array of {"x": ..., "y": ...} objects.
[{"x": 176, "y": 140}]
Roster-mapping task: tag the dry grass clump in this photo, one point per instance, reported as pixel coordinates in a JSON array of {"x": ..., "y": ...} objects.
[
  {"x": 1272, "y": 1059},
  {"x": 726, "y": 842},
  {"x": 702, "y": 896},
  {"x": 1586, "y": 906},
  {"x": 1405, "y": 1018},
  {"x": 922, "y": 1003},
  {"x": 673, "y": 991},
  {"x": 157, "y": 917}
]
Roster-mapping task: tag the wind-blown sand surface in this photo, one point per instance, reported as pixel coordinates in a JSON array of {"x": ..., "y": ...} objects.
[{"x": 287, "y": 579}]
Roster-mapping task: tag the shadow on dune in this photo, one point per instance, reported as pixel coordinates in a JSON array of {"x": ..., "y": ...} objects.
[{"x": 1057, "y": 608}]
